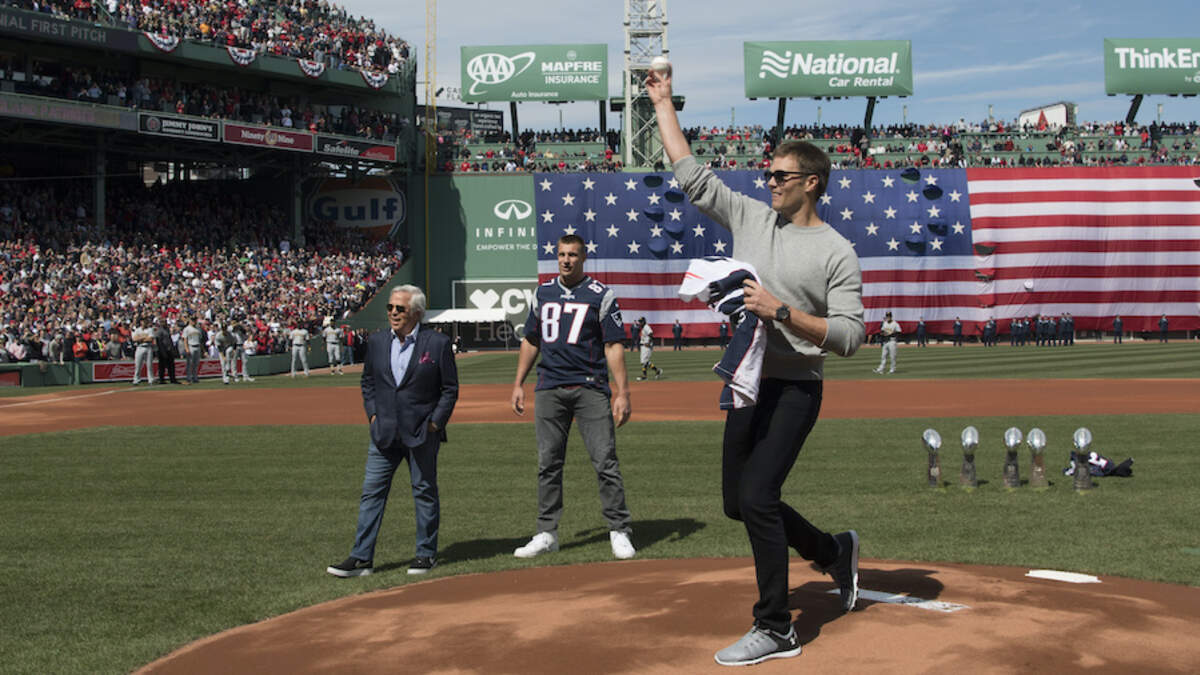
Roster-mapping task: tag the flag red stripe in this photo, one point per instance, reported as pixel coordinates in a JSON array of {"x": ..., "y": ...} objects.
[
  {"x": 1092, "y": 246},
  {"x": 1099, "y": 222},
  {"x": 1029, "y": 298},
  {"x": 1054, "y": 271},
  {"x": 1078, "y": 172},
  {"x": 1192, "y": 195}
]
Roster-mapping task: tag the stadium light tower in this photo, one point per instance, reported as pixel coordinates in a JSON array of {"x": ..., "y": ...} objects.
[{"x": 645, "y": 38}]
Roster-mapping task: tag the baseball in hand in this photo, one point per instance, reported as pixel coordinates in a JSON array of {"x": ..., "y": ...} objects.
[{"x": 660, "y": 64}]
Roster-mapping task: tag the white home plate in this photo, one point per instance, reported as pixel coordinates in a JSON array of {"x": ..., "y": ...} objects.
[
  {"x": 1069, "y": 577},
  {"x": 908, "y": 600}
]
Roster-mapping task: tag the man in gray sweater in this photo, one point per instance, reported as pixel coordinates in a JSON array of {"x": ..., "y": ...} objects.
[{"x": 809, "y": 296}]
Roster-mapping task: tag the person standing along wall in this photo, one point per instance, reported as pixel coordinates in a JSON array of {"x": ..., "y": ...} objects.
[
  {"x": 143, "y": 339},
  {"x": 889, "y": 332},
  {"x": 298, "y": 337}
]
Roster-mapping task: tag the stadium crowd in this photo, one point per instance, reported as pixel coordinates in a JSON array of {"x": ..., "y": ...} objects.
[
  {"x": 302, "y": 29},
  {"x": 216, "y": 102},
  {"x": 72, "y": 290},
  {"x": 956, "y": 145}
]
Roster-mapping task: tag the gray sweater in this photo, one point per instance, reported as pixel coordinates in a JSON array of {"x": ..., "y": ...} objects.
[{"x": 813, "y": 269}]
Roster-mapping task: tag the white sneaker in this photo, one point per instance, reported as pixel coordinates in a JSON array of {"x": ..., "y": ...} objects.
[
  {"x": 542, "y": 542},
  {"x": 878, "y": 371},
  {"x": 622, "y": 548}
]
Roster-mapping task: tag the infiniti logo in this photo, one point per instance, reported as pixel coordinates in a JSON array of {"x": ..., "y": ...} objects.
[
  {"x": 495, "y": 68},
  {"x": 512, "y": 208}
]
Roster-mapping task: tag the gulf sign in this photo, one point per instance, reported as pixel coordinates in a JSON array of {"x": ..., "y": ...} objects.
[{"x": 374, "y": 204}]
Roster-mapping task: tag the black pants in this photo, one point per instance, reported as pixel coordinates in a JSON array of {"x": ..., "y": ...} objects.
[
  {"x": 760, "y": 446},
  {"x": 166, "y": 367}
]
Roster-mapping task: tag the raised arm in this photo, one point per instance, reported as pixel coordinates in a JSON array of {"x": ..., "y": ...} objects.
[{"x": 658, "y": 87}]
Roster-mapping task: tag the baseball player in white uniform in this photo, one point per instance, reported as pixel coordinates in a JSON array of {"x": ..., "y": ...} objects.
[
  {"x": 646, "y": 340},
  {"x": 143, "y": 337},
  {"x": 333, "y": 347},
  {"x": 249, "y": 348},
  {"x": 299, "y": 338},
  {"x": 889, "y": 332}
]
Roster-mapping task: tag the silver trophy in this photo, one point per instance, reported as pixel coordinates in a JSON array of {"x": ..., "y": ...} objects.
[
  {"x": 933, "y": 443},
  {"x": 1012, "y": 472},
  {"x": 970, "y": 441},
  {"x": 1083, "y": 474},
  {"x": 1037, "y": 446}
]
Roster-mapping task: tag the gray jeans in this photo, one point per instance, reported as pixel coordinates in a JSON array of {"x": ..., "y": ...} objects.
[
  {"x": 193, "y": 364},
  {"x": 554, "y": 411}
]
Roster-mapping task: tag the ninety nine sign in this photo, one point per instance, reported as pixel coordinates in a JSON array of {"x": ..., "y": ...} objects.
[
  {"x": 1152, "y": 66},
  {"x": 535, "y": 73},
  {"x": 269, "y": 138},
  {"x": 800, "y": 69}
]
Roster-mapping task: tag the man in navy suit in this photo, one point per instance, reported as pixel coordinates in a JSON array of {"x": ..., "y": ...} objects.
[{"x": 409, "y": 387}]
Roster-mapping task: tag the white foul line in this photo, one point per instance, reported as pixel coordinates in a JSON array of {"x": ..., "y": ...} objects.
[
  {"x": 908, "y": 600},
  {"x": 61, "y": 398}
]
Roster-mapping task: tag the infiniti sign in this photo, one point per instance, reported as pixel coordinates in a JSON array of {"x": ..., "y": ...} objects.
[{"x": 512, "y": 208}]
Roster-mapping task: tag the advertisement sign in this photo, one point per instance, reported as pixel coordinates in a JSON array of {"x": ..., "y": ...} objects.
[
  {"x": 514, "y": 296},
  {"x": 345, "y": 147},
  {"x": 1164, "y": 66},
  {"x": 268, "y": 138},
  {"x": 191, "y": 128},
  {"x": 373, "y": 204},
  {"x": 826, "y": 68},
  {"x": 535, "y": 73},
  {"x": 38, "y": 26},
  {"x": 122, "y": 371},
  {"x": 37, "y": 108}
]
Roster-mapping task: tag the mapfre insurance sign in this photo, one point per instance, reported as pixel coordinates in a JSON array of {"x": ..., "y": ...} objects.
[{"x": 535, "y": 73}]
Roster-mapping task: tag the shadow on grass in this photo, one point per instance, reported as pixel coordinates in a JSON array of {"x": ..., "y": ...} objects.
[
  {"x": 817, "y": 606},
  {"x": 645, "y": 532}
]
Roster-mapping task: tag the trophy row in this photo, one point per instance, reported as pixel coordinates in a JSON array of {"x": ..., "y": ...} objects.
[{"x": 1036, "y": 440}]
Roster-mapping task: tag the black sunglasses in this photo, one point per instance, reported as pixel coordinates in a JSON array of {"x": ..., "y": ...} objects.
[
  {"x": 399, "y": 309},
  {"x": 781, "y": 177}
]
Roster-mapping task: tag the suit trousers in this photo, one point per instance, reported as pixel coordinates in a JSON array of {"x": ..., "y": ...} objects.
[
  {"x": 760, "y": 446},
  {"x": 377, "y": 484},
  {"x": 554, "y": 411}
]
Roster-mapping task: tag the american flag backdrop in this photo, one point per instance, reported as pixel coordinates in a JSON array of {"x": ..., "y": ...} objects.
[{"x": 934, "y": 244}]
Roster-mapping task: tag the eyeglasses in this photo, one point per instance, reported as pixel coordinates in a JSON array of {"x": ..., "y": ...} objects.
[
  {"x": 781, "y": 177},
  {"x": 399, "y": 309}
]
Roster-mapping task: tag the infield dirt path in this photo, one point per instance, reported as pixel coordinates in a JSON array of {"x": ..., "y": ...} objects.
[
  {"x": 659, "y": 616},
  {"x": 166, "y": 405}
]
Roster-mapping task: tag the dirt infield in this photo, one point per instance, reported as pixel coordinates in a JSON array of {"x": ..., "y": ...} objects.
[
  {"x": 650, "y": 616},
  {"x": 652, "y": 401},
  {"x": 670, "y": 616}
]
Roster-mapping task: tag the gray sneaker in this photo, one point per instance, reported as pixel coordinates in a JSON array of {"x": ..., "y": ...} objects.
[
  {"x": 759, "y": 645},
  {"x": 844, "y": 570}
]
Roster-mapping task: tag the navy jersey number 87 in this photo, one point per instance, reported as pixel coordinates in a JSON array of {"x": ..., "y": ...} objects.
[{"x": 571, "y": 327}]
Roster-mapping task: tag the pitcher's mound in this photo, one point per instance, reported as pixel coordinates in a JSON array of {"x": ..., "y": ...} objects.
[{"x": 647, "y": 616}]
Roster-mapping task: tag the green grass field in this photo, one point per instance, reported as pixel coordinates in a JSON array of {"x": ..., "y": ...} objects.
[{"x": 124, "y": 544}]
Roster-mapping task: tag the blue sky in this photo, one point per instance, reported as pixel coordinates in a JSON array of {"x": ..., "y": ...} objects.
[{"x": 966, "y": 56}]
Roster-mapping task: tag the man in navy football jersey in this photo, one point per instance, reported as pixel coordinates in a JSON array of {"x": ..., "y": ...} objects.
[{"x": 575, "y": 325}]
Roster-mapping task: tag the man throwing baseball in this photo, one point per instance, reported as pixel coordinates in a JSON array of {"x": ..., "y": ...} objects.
[
  {"x": 809, "y": 297},
  {"x": 575, "y": 325}
]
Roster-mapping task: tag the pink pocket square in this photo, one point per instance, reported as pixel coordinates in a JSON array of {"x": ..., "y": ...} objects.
[{"x": 425, "y": 358}]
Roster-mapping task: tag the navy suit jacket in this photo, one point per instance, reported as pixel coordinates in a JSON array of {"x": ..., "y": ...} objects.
[{"x": 427, "y": 393}]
